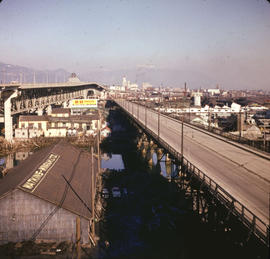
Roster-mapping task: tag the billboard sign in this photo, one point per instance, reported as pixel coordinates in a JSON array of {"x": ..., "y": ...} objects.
[{"x": 84, "y": 103}]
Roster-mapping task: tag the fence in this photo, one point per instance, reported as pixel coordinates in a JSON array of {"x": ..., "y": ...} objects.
[{"x": 249, "y": 219}]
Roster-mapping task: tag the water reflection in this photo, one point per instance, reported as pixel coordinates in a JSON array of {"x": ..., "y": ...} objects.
[
  {"x": 112, "y": 161},
  {"x": 109, "y": 161},
  {"x": 167, "y": 169}
]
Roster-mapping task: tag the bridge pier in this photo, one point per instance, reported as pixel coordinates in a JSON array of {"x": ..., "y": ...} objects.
[
  {"x": 168, "y": 166},
  {"x": 144, "y": 148},
  {"x": 65, "y": 104},
  {"x": 159, "y": 153},
  {"x": 49, "y": 110},
  {"x": 150, "y": 153},
  {"x": 85, "y": 94},
  {"x": 40, "y": 112},
  {"x": 8, "y": 117}
]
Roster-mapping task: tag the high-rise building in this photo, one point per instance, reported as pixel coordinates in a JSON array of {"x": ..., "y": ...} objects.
[{"x": 124, "y": 82}]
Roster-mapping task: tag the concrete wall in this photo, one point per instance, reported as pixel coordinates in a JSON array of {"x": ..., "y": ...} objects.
[{"x": 21, "y": 215}]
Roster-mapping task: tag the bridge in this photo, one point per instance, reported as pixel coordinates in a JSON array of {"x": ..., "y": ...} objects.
[
  {"x": 237, "y": 175},
  {"x": 18, "y": 98}
]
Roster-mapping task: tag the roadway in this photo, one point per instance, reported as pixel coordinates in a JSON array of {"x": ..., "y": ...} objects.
[{"x": 245, "y": 175}]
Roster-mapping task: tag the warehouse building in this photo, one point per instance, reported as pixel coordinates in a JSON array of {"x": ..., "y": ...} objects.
[{"x": 37, "y": 203}]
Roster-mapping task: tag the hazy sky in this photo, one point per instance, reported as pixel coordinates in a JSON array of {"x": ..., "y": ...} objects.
[{"x": 214, "y": 41}]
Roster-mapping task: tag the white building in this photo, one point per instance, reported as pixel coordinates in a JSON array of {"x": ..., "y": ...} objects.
[
  {"x": 197, "y": 98},
  {"x": 124, "y": 83},
  {"x": 213, "y": 91},
  {"x": 133, "y": 87},
  {"x": 118, "y": 88},
  {"x": 59, "y": 124},
  {"x": 146, "y": 86},
  {"x": 235, "y": 107}
]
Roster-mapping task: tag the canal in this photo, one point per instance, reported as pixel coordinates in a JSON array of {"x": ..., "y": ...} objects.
[{"x": 154, "y": 217}]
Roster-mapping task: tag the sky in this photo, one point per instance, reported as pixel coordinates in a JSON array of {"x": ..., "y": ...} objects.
[{"x": 169, "y": 42}]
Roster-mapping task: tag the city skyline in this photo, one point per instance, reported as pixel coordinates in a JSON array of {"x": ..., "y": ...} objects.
[{"x": 203, "y": 43}]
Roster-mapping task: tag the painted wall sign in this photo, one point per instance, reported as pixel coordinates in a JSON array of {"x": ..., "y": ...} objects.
[
  {"x": 40, "y": 173},
  {"x": 84, "y": 103}
]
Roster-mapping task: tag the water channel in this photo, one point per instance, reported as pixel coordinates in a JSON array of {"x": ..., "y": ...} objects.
[
  {"x": 156, "y": 218},
  {"x": 153, "y": 218}
]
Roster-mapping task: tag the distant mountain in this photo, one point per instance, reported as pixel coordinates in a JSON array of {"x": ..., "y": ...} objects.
[
  {"x": 9, "y": 73},
  {"x": 155, "y": 76}
]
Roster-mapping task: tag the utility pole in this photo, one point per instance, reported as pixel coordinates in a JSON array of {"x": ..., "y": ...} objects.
[
  {"x": 158, "y": 122},
  {"x": 145, "y": 116},
  {"x": 137, "y": 111},
  {"x": 264, "y": 137},
  {"x": 98, "y": 144},
  {"x": 158, "y": 118},
  {"x": 182, "y": 141},
  {"x": 209, "y": 119},
  {"x": 78, "y": 237},
  {"x": 189, "y": 111},
  {"x": 240, "y": 125},
  {"x": 92, "y": 193}
]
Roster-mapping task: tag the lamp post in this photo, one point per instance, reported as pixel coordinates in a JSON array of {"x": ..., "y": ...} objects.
[
  {"x": 240, "y": 125},
  {"x": 182, "y": 141},
  {"x": 264, "y": 137},
  {"x": 158, "y": 122},
  {"x": 145, "y": 116},
  {"x": 137, "y": 111},
  {"x": 158, "y": 115}
]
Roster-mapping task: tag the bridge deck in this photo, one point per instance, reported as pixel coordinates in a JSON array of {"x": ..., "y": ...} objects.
[
  {"x": 243, "y": 174},
  {"x": 46, "y": 85}
]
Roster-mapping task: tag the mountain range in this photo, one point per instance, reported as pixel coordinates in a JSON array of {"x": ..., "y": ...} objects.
[
  {"x": 155, "y": 76},
  {"x": 9, "y": 73}
]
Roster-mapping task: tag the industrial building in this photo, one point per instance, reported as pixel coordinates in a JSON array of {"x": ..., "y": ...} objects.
[{"x": 36, "y": 202}]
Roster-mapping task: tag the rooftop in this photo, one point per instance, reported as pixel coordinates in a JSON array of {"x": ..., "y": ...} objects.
[
  {"x": 60, "y": 110},
  {"x": 33, "y": 118},
  {"x": 42, "y": 174}
]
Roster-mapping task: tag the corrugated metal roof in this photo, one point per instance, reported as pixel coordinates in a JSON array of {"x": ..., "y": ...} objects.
[{"x": 47, "y": 177}]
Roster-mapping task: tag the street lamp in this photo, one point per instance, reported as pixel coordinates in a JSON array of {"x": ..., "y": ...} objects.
[
  {"x": 182, "y": 141},
  {"x": 145, "y": 115}
]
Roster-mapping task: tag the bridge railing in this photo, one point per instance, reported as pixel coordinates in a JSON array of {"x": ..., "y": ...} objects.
[
  {"x": 260, "y": 144},
  {"x": 247, "y": 217}
]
